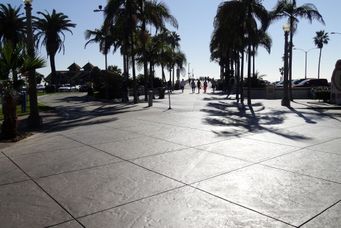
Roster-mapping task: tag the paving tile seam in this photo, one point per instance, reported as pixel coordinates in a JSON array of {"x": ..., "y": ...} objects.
[
  {"x": 317, "y": 215},
  {"x": 245, "y": 207},
  {"x": 43, "y": 151},
  {"x": 50, "y": 150},
  {"x": 77, "y": 170},
  {"x": 205, "y": 144},
  {"x": 133, "y": 163},
  {"x": 45, "y": 191},
  {"x": 113, "y": 141},
  {"x": 276, "y": 143},
  {"x": 60, "y": 223},
  {"x": 132, "y": 201},
  {"x": 15, "y": 182},
  {"x": 321, "y": 151},
  {"x": 174, "y": 125},
  {"x": 254, "y": 163},
  {"x": 285, "y": 144},
  {"x": 301, "y": 174}
]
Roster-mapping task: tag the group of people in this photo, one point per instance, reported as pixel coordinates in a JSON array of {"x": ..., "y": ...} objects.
[{"x": 205, "y": 85}]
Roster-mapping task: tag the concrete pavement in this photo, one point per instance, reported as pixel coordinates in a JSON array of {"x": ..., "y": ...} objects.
[{"x": 207, "y": 162}]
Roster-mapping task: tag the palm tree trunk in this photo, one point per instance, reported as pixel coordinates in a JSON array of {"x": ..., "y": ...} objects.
[
  {"x": 9, "y": 124},
  {"x": 53, "y": 71},
  {"x": 173, "y": 83},
  {"x": 253, "y": 61},
  {"x": 125, "y": 95},
  {"x": 237, "y": 67},
  {"x": 163, "y": 72},
  {"x": 242, "y": 78},
  {"x": 319, "y": 65},
  {"x": 249, "y": 76}
]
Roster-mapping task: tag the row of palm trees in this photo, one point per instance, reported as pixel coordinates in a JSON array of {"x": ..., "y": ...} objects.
[
  {"x": 125, "y": 28},
  {"x": 240, "y": 28},
  {"x": 15, "y": 57}
]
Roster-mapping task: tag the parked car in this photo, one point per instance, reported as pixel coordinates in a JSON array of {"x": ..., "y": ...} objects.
[
  {"x": 313, "y": 82},
  {"x": 67, "y": 88},
  {"x": 40, "y": 87},
  {"x": 295, "y": 82}
]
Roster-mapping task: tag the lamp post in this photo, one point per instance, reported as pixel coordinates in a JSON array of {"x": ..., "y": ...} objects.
[
  {"x": 336, "y": 33},
  {"x": 34, "y": 118},
  {"x": 305, "y": 59},
  {"x": 100, "y": 9},
  {"x": 285, "y": 99}
]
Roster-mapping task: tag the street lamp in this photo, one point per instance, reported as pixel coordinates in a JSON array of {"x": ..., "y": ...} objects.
[
  {"x": 305, "y": 59},
  {"x": 34, "y": 118},
  {"x": 100, "y": 9},
  {"x": 336, "y": 33},
  {"x": 285, "y": 99}
]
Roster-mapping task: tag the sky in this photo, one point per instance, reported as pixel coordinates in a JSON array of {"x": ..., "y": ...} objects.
[{"x": 195, "y": 18}]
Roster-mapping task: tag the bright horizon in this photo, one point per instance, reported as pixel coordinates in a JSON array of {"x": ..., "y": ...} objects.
[{"x": 195, "y": 19}]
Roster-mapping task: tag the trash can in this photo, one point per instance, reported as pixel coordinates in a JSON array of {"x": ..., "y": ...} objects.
[{"x": 150, "y": 98}]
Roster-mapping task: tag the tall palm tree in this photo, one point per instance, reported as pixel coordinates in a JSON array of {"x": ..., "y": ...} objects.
[
  {"x": 320, "y": 39},
  {"x": 50, "y": 33},
  {"x": 135, "y": 16},
  {"x": 156, "y": 14},
  {"x": 12, "y": 30},
  {"x": 235, "y": 25},
  {"x": 12, "y": 24},
  {"x": 289, "y": 9},
  {"x": 104, "y": 38}
]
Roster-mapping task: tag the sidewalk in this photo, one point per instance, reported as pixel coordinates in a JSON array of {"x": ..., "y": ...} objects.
[{"x": 207, "y": 162}]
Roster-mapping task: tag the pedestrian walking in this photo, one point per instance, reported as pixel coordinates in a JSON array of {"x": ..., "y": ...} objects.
[
  {"x": 199, "y": 85},
  {"x": 213, "y": 84},
  {"x": 205, "y": 86},
  {"x": 193, "y": 86},
  {"x": 182, "y": 85}
]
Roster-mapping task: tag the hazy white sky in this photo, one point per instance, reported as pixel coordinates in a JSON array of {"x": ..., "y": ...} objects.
[{"x": 195, "y": 19}]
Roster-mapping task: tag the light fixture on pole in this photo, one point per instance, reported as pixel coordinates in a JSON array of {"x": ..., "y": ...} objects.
[
  {"x": 34, "y": 118},
  {"x": 336, "y": 33},
  {"x": 285, "y": 99},
  {"x": 100, "y": 9},
  {"x": 305, "y": 59}
]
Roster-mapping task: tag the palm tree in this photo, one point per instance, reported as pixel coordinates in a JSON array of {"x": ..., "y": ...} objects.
[
  {"x": 50, "y": 33},
  {"x": 12, "y": 30},
  {"x": 320, "y": 39},
  {"x": 104, "y": 38},
  {"x": 133, "y": 16},
  {"x": 235, "y": 26},
  {"x": 288, "y": 8},
  {"x": 13, "y": 58},
  {"x": 12, "y": 25},
  {"x": 156, "y": 14}
]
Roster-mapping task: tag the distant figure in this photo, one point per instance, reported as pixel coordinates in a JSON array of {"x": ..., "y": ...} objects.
[
  {"x": 213, "y": 84},
  {"x": 193, "y": 86},
  {"x": 205, "y": 86},
  {"x": 199, "y": 85},
  {"x": 182, "y": 85}
]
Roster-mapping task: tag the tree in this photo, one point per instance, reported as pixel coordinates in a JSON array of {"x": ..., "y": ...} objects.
[
  {"x": 13, "y": 58},
  {"x": 50, "y": 33},
  {"x": 12, "y": 25},
  {"x": 288, "y": 8},
  {"x": 235, "y": 28},
  {"x": 103, "y": 37},
  {"x": 133, "y": 16},
  {"x": 320, "y": 39},
  {"x": 12, "y": 30}
]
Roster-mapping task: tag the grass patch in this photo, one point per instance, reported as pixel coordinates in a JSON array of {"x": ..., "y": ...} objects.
[{"x": 41, "y": 107}]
